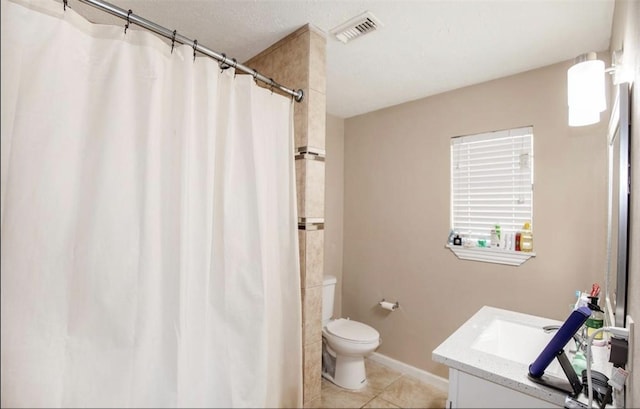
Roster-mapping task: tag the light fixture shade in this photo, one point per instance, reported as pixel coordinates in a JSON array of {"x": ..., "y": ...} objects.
[
  {"x": 578, "y": 117},
  {"x": 585, "y": 91}
]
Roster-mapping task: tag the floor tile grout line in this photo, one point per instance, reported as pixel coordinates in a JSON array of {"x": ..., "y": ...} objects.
[{"x": 368, "y": 402}]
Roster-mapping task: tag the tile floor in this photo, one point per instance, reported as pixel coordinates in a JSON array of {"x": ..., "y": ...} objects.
[{"x": 386, "y": 388}]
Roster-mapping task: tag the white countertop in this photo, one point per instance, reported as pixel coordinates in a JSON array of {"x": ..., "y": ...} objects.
[{"x": 457, "y": 352}]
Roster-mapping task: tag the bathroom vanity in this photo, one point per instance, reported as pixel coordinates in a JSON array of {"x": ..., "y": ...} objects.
[{"x": 489, "y": 357}]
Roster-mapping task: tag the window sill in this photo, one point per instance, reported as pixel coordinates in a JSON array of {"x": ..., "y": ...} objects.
[{"x": 490, "y": 255}]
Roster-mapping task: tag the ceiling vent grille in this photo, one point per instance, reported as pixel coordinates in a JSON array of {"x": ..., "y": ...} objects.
[{"x": 356, "y": 27}]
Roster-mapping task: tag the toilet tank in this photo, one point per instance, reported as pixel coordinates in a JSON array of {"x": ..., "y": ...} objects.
[{"x": 328, "y": 291}]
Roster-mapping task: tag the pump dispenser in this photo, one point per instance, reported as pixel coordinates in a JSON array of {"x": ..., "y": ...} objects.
[{"x": 596, "y": 320}]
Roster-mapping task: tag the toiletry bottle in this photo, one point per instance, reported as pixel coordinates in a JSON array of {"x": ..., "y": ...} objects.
[
  {"x": 495, "y": 239},
  {"x": 596, "y": 320},
  {"x": 452, "y": 235},
  {"x": 526, "y": 238},
  {"x": 517, "y": 241}
]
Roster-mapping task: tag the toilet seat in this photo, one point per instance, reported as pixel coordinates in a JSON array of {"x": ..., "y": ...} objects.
[{"x": 352, "y": 331}]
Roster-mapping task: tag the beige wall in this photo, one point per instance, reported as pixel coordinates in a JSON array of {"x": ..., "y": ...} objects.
[
  {"x": 334, "y": 200},
  {"x": 626, "y": 34},
  {"x": 396, "y": 213}
]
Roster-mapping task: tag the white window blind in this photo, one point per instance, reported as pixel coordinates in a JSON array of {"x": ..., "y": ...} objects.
[{"x": 491, "y": 182}]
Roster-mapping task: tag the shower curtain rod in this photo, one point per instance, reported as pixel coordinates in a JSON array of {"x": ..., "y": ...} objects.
[{"x": 225, "y": 62}]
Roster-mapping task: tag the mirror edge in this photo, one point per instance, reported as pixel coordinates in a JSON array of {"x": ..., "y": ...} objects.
[{"x": 623, "y": 203}]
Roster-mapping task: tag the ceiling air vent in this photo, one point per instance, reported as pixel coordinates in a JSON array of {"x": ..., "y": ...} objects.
[{"x": 356, "y": 27}]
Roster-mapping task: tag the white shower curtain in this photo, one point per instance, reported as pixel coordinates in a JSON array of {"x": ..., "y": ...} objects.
[{"x": 149, "y": 230}]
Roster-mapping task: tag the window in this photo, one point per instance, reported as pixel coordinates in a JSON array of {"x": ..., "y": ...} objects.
[{"x": 491, "y": 183}]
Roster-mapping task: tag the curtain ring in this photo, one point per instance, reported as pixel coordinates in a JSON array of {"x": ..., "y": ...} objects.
[
  {"x": 223, "y": 65},
  {"x": 195, "y": 45},
  {"x": 64, "y": 5},
  {"x": 271, "y": 84},
  {"x": 173, "y": 40},
  {"x": 126, "y": 26}
]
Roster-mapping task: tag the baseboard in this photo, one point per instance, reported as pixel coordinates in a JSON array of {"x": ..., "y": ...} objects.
[{"x": 433, "y": 380}]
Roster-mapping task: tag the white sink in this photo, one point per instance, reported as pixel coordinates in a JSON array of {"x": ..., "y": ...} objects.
[{"x": 517, "y": 342}]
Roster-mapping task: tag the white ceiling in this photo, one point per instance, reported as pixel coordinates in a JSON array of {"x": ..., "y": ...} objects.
[{"x": 425, "y": 47}]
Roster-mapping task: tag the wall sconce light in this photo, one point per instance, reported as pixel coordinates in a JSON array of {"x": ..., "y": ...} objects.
[{"x": 585, "y": 90}]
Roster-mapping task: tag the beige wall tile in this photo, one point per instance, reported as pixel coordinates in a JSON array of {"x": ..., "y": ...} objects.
[
  {"x": 312, "y": 371},
  {"x": 317, "y": 119},
  {"x": 287, "y": 61},
  {"x": 314, "y": 189},
  {"x": 314, "y": 258},
  {"x": 301, "y": 175},
  {"x": 301, "y": 121},
  {"x": 317, "y": 57},
  {"x": 310, "y": 188},
  {"x": 312, "y": 312},
  {"x": 315, "y": 403},
  {"x": 312, "y": 332},
  {"x": 291, "y": 61},
  {"x": 302, "y": 249}
]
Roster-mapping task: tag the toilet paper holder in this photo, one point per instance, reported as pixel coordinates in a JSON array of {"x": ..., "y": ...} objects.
[{"x": 389, "y": 305}]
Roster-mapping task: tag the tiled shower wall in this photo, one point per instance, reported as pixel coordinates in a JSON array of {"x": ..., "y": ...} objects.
[{"x": 298, "y": 61}]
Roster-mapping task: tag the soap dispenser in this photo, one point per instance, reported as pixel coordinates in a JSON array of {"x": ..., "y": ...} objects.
[{"x": 596, "y": 320}]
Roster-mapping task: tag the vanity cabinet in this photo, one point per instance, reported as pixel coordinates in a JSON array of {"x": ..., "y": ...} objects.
[
  {"x": 489, "y": 356},
  {"x": 469, "y": 391}
]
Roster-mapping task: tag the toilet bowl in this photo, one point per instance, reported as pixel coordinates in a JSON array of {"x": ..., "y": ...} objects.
[{"x": 345, "y": 344}]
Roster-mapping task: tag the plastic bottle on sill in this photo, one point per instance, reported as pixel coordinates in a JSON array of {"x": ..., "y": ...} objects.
[
  {"x": 509, "y": 242},
  {"x": 526, "y": 238},
  {"x": 496, "y": 237},
  {"x": 495, "y": 240},
  {"x": 595, "y": 321}
]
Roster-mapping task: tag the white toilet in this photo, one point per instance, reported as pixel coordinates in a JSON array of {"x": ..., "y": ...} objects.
[{"x": 345, "y": 344}]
